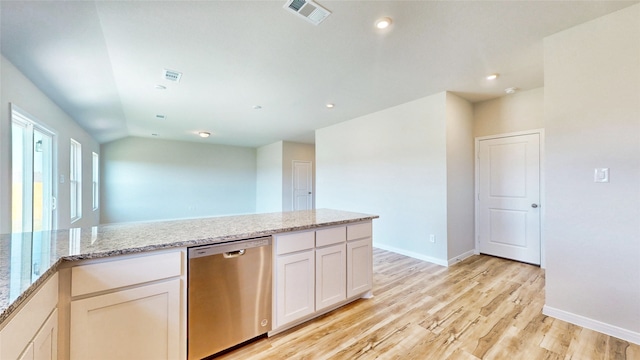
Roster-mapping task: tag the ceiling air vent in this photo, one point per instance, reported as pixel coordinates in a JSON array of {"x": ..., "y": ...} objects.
[
  {"x": 171, "y": 75},
  {"x": 308, "y": 10}
]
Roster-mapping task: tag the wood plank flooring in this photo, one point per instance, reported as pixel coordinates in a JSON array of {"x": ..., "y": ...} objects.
[{"x": 480, "y": 308}]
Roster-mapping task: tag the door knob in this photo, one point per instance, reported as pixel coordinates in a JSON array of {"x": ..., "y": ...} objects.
[{"x": 534, "y": 205}]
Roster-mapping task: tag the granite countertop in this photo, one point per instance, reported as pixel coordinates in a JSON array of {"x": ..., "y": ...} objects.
[{"x": 28, "y": 259}]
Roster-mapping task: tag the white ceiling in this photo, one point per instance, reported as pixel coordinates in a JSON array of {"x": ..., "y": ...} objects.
[{"x": 100, "y": 61}]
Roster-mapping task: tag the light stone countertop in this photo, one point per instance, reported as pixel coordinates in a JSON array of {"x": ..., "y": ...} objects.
[{"x": 37, "y": 255}]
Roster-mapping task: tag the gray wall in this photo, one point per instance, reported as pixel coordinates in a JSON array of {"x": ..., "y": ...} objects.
[
  {"x": 151, "y": 179},
  {"x": 393, "y": 163},
  {"x": 275, "y": 174},
  {"x": 269, "y": 178},
  {"x": 521, "y": 111},
  {"x": 592, "y": 120},
  {"x": 19, "y": 90},
  {"x": 460, "y": 178}
]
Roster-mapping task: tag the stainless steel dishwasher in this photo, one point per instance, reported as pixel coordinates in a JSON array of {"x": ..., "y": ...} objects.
[{"x": 229, "y": 295}]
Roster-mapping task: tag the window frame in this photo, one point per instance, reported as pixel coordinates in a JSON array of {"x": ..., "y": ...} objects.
[
  {"x": 95, "y": 173},
  {"x": 75, "y": 180}
]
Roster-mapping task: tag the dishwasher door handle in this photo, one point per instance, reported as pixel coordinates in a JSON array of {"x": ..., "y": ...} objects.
[{"x": 233, "y": 254}]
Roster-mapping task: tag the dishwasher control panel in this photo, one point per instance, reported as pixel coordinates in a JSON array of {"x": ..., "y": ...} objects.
[{"x": 206, "y": 250}]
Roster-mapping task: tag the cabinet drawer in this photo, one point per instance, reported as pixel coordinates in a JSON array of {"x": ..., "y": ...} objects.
[
  {"x": 294, "y": 242},
  {"x": 86, "y": 279},
  {"x": 330, "y": 236},
  {"x": 359, "y": 231}
]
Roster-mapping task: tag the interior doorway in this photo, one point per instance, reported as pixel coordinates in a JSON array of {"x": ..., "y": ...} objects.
[
  {"x": 302, "y": 185},
  {"x": 508, "y": 194}
]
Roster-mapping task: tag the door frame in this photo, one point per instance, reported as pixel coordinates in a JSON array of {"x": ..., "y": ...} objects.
[{"x": 477, "y": 140}]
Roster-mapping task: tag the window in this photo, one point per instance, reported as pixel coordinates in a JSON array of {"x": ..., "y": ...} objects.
[
  {"x": 32, "y": 202},
  {"x": 32, "y": 198},
  {"x": 96, "y": 181},
  {"x": 75, "y": 180}
]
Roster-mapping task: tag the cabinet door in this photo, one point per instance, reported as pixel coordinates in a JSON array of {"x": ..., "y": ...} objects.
[
  {"x": 137, "y": 323},
  {"x": 359, "y": 267},
  {"x": 18, "y": 336},
  {"x": 28, "y": 353},
  {"x": 295, "y": 286},
  {"x": 45, "y": 344},
  {"x": 331, "y": 275}
]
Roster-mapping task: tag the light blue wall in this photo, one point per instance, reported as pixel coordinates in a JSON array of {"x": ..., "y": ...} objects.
[{"x": 151, "y": 179}]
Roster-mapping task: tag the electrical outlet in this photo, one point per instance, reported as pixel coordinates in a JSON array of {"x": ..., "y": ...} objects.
[{"x": 432, "y": 238}]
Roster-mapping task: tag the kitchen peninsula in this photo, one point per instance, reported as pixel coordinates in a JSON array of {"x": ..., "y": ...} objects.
[{"x": 43, "y": 275}]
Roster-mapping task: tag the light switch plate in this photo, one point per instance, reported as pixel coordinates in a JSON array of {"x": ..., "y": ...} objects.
[{"x": 601, "y": 175}]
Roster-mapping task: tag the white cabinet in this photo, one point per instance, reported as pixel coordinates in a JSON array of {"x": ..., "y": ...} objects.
[
  {"x": 138, "y": 323},
  {"x": 359, "y": 259},
  {"x": 294, "y": 277},
  {"x": 28, "y": 353},
  {"x": 317, "y": 271},
  {"x": 32, "y": 332},
  {"x": 295, "y": 290},
  {"x": 45, "y": 344},
  {"x": 330, "y": 276},
  {"x": 331, "y": 267},
  {"x": 130, "y": 308}
]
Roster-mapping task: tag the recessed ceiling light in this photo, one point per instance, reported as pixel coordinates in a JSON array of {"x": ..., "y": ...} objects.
[
  {"x": 257, "y": 107},
  {"x": 383, "y": 23},
  {"x": 510, "y": 90},
  {"x": 204, "y": 134},
  {"x": 330, "y": 105},
  {"x": 161, "y": 87},
  {"x": 492, "y": 76}
]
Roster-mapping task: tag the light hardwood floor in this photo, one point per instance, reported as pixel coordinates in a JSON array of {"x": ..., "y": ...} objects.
[{"x": 480, "y": 308}]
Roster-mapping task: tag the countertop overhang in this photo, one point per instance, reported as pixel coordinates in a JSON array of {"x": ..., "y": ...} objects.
[{"x": 48, "y": 249}]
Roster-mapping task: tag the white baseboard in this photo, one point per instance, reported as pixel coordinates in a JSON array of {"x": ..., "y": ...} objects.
[
  {"x": 461, "y": 257},
  {"x": 591, "y": 324},
  {"x": 412, "y": 254}
]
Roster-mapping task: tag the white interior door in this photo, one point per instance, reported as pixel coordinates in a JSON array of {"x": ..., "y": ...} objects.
[
  {"x": 302, "y": 185},
  {"x": 509, "y": 197}
]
